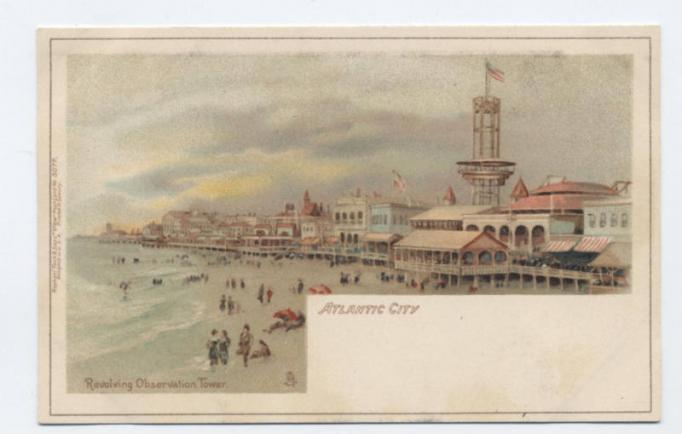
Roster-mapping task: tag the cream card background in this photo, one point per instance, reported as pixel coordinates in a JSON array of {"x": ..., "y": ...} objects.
[{"x": 460, "y": 357}]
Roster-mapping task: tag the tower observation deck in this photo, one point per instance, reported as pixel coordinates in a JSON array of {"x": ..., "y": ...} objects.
[{"x": 486, "y": 172}]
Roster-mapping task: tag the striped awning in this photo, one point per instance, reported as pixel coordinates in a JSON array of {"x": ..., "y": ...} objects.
[
  {"x": 592, "y": 244},
  {"x": 558, "y": 246}
]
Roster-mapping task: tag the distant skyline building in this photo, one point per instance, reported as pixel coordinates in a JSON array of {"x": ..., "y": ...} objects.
[{"x": 486, "y": 172}]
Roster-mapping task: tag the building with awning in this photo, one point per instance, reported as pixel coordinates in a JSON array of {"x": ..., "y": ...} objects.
[
  {"x": 444, "y": 252},
  {"x": 576, "y": 251},
  {"x": 553, "y": 210},
  {"x": 559, "y": 246},
  {"x": 592, "y": 244}
]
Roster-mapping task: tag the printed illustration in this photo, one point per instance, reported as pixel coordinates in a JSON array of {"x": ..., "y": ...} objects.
[{"x": 208, "y": 196}]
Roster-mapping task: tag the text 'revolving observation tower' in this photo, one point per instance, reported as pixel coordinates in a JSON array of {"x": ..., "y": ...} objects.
[{"x": 486, "y": 171}]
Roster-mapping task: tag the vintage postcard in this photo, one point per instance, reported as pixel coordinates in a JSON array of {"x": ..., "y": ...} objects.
[{"x": 348, "y": 224}]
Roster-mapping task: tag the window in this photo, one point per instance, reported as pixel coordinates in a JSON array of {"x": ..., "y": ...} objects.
[
  {"x": 344, "y": 216},
  {"x": 500, "y": 257},
  {"x": 359, "y": 215},
  {"x": 337, "y": 217},
  {"x": 485, "y": 258},
  {"x": 592, "y": 220},
  {"x": 602, "y": 220},
  {"x": 614, "y": 219},
  {"x": 624, "y": 220},
  {"x": 352, "y": 216}
]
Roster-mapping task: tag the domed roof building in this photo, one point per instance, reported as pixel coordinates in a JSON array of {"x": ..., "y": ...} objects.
[
  {"x": 562, "y": 197},
  {"x": 554, "y": 209}
]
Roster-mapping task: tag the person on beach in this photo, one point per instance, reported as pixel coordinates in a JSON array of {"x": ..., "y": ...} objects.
[
  {"x": 300, "y": 286},
  {"x": 230, "y": 305},
  {"x": 223, "y": 303},
  {"x": 245, "y": 339},
  {"x": 212, "y": 346},
  {"x": 269, "y": 294},
  {"x": 261, "y": 293},
  {"x": 223, "y": 348},
  {"x": 262, "y": 351}
]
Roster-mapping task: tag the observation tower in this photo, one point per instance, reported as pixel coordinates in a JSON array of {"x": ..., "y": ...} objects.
[{"x": 486, "y": 172}]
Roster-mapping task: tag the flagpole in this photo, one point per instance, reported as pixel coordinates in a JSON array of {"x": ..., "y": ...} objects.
[{"x": 487, "y": 80}]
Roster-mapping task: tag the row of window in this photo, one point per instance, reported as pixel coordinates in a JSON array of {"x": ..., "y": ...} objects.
[
  {"x": 606, "y": 220},
  {"x": 342, "y": 216},
  {"x": 438, "y": 224},
  {"x": 382, "y": 219},
  {"x": 468, "y": 258},
  {"x": 348, "y": 238}
]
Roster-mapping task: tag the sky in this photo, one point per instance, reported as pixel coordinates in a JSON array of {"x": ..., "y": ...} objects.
[{"x": 247, "y": 133}]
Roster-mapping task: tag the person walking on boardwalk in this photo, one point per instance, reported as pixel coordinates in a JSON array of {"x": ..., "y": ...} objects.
[
  {"x": 230, "y": 305},
  {"x": 269, "y": 294},
  {"x": 223, "y": 303},
  {"x": 245, "y": 340},
  {"x": 212, "y": 346},
  {"x": 261, "y": 293},
  {"x": 223, "y": 348}
]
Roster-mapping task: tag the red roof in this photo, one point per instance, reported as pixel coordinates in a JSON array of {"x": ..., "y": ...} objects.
[
  {"x": 552, "y": 201},
  {"x": 520, "y": 190},
  {"x": 572, "y": 187}
]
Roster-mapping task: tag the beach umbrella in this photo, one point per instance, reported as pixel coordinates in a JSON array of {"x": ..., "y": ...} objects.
[
  {"x": 285, "y": 314},
  {"x": 320, "y": 289}
]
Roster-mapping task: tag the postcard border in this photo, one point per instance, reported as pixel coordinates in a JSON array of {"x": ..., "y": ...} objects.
[{"x": 652, "y": 232}]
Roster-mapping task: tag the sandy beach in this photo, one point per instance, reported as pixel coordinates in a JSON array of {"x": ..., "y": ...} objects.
[{"x": 162, "y": 330}]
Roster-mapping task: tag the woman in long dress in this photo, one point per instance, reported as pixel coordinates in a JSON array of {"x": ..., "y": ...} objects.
[
  {"x": 223, "y": 348},
  {"x": 245, "y": 340},
  {"x": 212, "y": 346}
]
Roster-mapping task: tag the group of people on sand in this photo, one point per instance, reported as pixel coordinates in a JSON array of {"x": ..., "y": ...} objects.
[
  {"x": 298, "y": 287},
  {"x": 264, "y": 297},
  {"x": 345, "y": 278},
  {"x": 218, "y": 346},
  {"x": 232, "y": 283},
  {"x": 226, "y": 303},
  {"x": 287, "y": 323},
  {"x": 203, "y": 277}
]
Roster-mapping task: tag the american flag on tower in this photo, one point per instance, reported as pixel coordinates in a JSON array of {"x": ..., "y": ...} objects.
[
  {"x": 494, "y": 72},
  {"x": 398, "y": 182}
]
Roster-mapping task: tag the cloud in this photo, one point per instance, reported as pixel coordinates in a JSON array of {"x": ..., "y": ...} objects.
[
  {"x": 232, "y": 187},
  {"x": 250, "y": 132}
]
